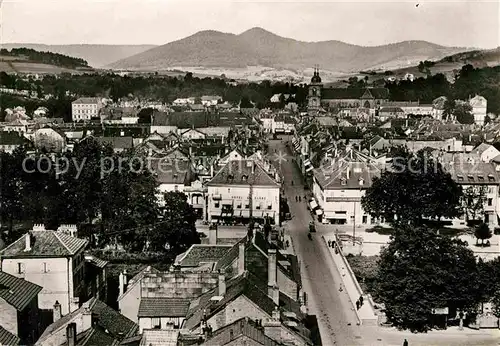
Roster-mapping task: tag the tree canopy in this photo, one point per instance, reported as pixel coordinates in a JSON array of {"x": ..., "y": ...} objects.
[
  {"x": 421, "y": 270},
  {"x": 414, "y": 188}
]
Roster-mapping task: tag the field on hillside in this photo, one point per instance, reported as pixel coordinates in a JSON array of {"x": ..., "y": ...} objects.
[{"x": 15, "y": 65}]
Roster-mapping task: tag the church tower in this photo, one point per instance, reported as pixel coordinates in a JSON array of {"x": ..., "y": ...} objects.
[{"x": 314, "y": 98}]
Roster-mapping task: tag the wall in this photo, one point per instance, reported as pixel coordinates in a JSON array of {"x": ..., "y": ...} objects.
[
  {"x": 348, "y": 206},
  {"x": 287, "y": 285},
  {"x": 54, "y": 282},
  {"x": 129, "y": 304},
  {"x": 147, "y": 322},
  {"x": 177, "y": 284},
  {"x": 237, "y": 196},
  {"x": 238, "y": 308},
  {"x": 224, "y": 339},
  {"x": 8, "y": 319}
]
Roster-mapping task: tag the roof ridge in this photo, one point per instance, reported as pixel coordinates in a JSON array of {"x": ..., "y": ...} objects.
[{"x": 61, "y": 241}]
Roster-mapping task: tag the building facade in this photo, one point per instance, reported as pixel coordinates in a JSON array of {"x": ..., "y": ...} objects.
[{"x": 85, "y": 108}]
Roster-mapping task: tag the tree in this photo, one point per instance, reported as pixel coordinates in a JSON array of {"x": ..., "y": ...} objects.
[
  {"x": 482, "y": 232},
  {"x": 449, "y": 108},
  {"x": 145, "y": 115},
  {"x": 463, "y": 113},
  {"x": 473, "y": 200},
  {"x": 487, "y": 120},
  {"x": 177, "y": 230},
  {"x": 245, "y": 102},
  {"x": 496, "y": 303},
  {"x": 414, "y": 188},
  {"x": 420, "y": 270}
]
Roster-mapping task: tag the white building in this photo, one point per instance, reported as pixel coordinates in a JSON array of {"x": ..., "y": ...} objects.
[
  {"x": 479, "y": 105},
  {"x": 339, "y": 186},
  {"x": 53, "y": 260},
  {"x": 210, "y": 100},
  {"x": 85, "y": 108},
  {"x": 241, "y": 190}
]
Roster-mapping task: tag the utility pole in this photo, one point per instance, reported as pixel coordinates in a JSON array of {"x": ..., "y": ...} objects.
[{"x": 354, "y": 226}]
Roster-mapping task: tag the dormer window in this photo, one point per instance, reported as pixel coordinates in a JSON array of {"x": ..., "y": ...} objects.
[
  {"x": 491, "y": 178},
  {"x": 480, "y": 178},
  {"x": 470, "y": 177},
  {"x": 343, "y": 181},
  {"x": 244, "y": 177},
  {"x": 460, "y": 178}
]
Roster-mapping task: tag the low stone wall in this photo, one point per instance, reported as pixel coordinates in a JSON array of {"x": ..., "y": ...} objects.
[{"x": 366, "y": 314}]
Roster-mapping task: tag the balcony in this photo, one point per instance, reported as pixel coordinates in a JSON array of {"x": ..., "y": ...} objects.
[{"x": 342, "y": 199}]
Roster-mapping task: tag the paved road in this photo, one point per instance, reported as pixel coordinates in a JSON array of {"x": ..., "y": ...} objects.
[{"x": 320, "y": 278}]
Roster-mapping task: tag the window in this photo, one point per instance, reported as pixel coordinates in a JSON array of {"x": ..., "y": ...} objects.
[
  {"x": 343, "y": 181},
  {"x": 155, "y": 323},
  {"x": 258, "y": 207},
  {"x": 44, "y": 267},
  {"x": 491, "y": 178},
  {"x": 490, "y": 202},
  {"x": 471, "y": 177},
  {"x": 20, "y": 268},
  {"x": 228, "y": 190},
  {"x": 480, "y": 178},
  {"x": 176, "y": 188},
  {"x": 216, "y": 205},
  {"x": 270, "y": 206},
  {"x": 460, "y": 178},
  {"x": 247, "y": 206},
  {"x": 238, "y": 206},
  {"x": 365, "y": 219}
]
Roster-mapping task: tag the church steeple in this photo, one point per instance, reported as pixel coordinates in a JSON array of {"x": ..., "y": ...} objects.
[{"x": 316, "y": 79}]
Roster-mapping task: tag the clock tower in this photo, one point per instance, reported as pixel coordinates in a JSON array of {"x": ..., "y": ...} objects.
[{"x": 314, "y": 97}]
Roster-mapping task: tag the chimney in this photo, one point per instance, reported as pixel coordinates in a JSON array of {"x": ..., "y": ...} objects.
[
  {"x": 71, "y": 334},
  {"x": 213, "y": 235},
  {"x": 274, "y": 293},
  {"x": 86, "y": 319},
  {"x": 272, "y": 327},
  {"x": 222, "y": 283},
  {"x": 27, "y": 238},
  {"x": 241, "y": 259},
  {"x": 271, "y": 268},
  {"x": 56, "y": 311}
]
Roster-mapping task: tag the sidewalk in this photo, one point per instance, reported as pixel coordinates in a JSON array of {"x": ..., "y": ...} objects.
[{"x": 365, "y": 314}]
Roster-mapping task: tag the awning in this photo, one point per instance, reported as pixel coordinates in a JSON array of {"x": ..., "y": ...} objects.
[
  {"x": 319, "y": 211},
  {"x": 313, "y": 204},
  {"x": 309, "y": 168}
]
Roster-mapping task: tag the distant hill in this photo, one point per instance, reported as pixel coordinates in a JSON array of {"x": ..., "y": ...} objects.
[
  {"x": 27, "y": 54},
  {"x": 258, "y": 47},
  {"x": 96, "y": 55}
]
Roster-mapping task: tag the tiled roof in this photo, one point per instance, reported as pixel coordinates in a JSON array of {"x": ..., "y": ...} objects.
[
  {"x": 12, "y": 138},
  {"x": 240, "y": 285},
  {"x": 94, "y": 336},
  {"x": 391, "y": 110},
  {"x": 230, "y": 256},
  {"x": 159, "y": 337},
  {"x": 117, "y": 325},
  {"x": 17, "y": 292},
  {"x": 353, "y": 93},
  {"x": 172, "y": 171},
  {"x": 45, "y": 244},
  {"x": 240, "y": 173},
  {"x": 160, "y": 119},
  {"x": 86, "y": 100},
  {"x": 117, "y": 142},
  {"x": 333, "y": 174},
  {"x": 242, "y": 327},
  {"x": 198, "y": 254},
  {"x": 163, "y": 307},
  {"x": 7, "y": 338},
  {"x": 472, "y": 173},
  {"x": 95, "y": 261}
]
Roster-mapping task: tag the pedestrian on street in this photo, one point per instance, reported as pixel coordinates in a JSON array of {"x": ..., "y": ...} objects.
[
  {"x": 357, "y": 304},
  {"x": 405, "y": 343},
  {"x": 333, "y": 243},
  {"x": 329, "y": 243},
  {"x": 299, "y": 198},
  {"x": 341, "y": 288},
  {"x": 361, "y": 300}
]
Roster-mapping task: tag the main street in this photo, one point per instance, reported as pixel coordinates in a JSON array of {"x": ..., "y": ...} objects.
[{"x": 320, "y": 278}]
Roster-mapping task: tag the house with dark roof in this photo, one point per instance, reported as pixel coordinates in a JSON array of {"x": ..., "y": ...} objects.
[
  {"x": 19, "y": 306},
  {"x": 96, "y": 277},
  {"x": 52, "y": 259},
  {"x": 243, "y": 189},
  {"x": 386, "y": 113},
  {"x": 244, "y": 331},
  {"x": 94, "y": 320},
  {"x": 119, "y": 144},
  {"x": 201, "y": 255},
  {"x": 162, "y": 312},
  {"x": 166, "y": 337},
  {"x": 339, "y": 184}
]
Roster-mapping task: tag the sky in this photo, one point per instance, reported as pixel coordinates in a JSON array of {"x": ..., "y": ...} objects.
[{"x": 457, "y": 23}]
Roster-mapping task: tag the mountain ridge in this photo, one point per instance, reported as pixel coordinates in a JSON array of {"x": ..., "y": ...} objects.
[{"x": 259, "y": 47}]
